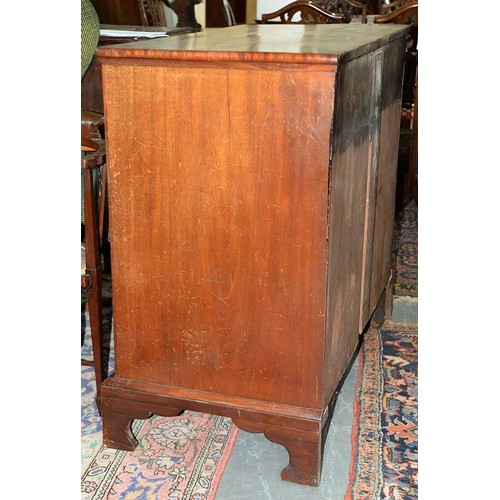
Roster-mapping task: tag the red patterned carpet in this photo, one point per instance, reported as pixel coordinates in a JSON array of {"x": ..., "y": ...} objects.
[
  {"x": 384, "y": 453},
  {"x": 177, "y": 457},
  {"x": 405, "y": 252}
]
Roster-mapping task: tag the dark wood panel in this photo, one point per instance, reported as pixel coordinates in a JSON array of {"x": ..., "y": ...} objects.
[
  {"x": 387, "y": 168},
  {"x": 348, "y": 183},
  {"x": 214, "y": 12},
  {"x": 371, "y": 187},
  {"x": 91, "y": 88},
  {"x": 119, "y": 12}
]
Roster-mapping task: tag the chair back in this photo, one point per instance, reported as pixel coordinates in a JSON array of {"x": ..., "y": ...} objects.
[
  {"x": 309, "y": 13},
  {"x": 405, "y": 14},
  {"x": 346, "y": 7},
  {"x": 152, "y": 12}
]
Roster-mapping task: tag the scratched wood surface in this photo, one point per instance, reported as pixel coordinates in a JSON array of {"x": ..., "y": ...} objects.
[{"x": 219, "y": 234}]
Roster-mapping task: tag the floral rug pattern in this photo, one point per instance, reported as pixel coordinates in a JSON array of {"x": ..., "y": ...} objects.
[
  {"x": 405, "y": 252},
  {"x": 385, "y": 440},
  {"x": 179, "y": 457}
]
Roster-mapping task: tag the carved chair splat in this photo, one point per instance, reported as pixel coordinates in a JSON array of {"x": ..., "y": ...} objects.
[{"x": 310, "y": 13}]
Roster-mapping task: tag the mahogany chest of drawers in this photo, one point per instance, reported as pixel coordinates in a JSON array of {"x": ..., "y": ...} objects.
[{"x": 252, "y": 177}]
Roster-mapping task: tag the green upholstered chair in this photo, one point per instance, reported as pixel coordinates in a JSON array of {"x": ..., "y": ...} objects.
[{"x": 90, "y": 34}]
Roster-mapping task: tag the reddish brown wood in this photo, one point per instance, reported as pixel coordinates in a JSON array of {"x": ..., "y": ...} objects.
[
  {"x": 305, "y": 450},
  {"x": 240, "y": 248},
  {"x": 248, "y": 217},
  {"x": 117, "y": 418}
]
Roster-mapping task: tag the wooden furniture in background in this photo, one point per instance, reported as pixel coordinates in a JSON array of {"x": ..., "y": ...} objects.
[
  {"x": 145, "y": 12},
  {"x": 94, "y": 186},
  {"x": 407, "y": 14},
  {"x": 387, "y": 8},
  {"x": 249, "y": 254},
  {"x": 309, "y": 13},
  {"x": 130, "y": 12},
  {"x": 350, "y": 7}
]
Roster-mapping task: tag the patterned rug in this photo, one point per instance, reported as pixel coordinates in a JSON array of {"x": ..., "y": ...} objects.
[
  {"x": 384, "y": 436},
  {"x": 405, "y": 252},
  {"x": 177, "y": 457}
]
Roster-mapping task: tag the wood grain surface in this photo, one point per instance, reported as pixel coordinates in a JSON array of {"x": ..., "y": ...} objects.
[
  {"x": 252, "y": 185},
  {"x": 219, "y": 234}
]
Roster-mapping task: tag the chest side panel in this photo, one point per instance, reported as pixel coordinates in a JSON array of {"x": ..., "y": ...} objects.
[
  {"x": 351, "y": 159},
  {"x": 218, "y": 203}
]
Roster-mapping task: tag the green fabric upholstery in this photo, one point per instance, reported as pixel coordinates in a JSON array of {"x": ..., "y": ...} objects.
[
  {"x": 90, "y": 37},
  {"x": 90, "y": 33}
]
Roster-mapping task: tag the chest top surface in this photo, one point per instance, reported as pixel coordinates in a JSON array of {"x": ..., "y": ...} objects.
[{"x": 310, "y": 44}]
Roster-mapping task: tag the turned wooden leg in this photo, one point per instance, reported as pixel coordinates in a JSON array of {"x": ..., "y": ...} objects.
[
  {"x": 305, "y": 449},
  {"x": 117, "y": 417}
]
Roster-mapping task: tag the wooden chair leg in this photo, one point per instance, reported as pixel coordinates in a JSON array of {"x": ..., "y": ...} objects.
[
  {"x": 94, "y": 272},
  {"x": 94, "y": 299}
]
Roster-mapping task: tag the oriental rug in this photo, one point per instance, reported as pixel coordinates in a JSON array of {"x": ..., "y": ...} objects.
[
  {"x": 405, "y": 251},
  {"x": 177, "y": 457},
  {"x": 384, "y": 434}
]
